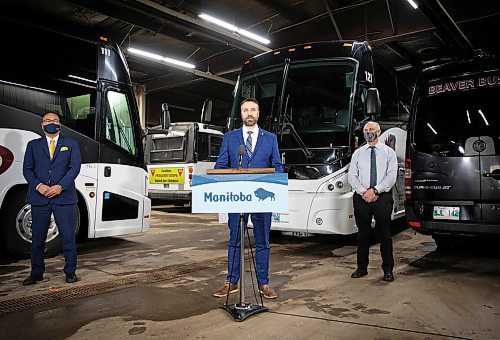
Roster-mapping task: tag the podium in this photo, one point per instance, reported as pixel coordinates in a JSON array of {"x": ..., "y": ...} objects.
[{"x": 244, "y": 190}]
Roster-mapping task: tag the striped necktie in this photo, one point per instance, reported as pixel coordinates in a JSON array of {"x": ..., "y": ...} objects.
[
  {"x": 248, "y": 144},
  {"x": 52, "y": 148},
  {"x": 373, "y": 168}
]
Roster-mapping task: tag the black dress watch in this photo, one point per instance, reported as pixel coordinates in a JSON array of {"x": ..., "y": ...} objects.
[{"x": 375, "y": 191}]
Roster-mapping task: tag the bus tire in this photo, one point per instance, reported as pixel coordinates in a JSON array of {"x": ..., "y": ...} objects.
[{"x": 17, "y": 229}]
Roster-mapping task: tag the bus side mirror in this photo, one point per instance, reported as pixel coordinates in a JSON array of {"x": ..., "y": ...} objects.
[
  {"x": 206, "y": 112},
  {"x": 165, "y": 117},
  {"x": 372, "y": 103}
]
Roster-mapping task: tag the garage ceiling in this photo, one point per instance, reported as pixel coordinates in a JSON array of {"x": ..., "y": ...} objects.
[{"x": 404, "y": 39}]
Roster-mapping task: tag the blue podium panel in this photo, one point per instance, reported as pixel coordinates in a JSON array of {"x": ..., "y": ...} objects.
[{"x": 236, "y": 193}]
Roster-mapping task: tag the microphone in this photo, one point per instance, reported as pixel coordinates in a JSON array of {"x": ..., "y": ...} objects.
[{"x": 241, "y": 152}]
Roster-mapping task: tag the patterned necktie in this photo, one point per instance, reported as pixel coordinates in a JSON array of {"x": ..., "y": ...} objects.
[
  {"x": 248, "y": 144},
  {"x": 52, "y": 148},
  {"x": 373, "y": 168}
]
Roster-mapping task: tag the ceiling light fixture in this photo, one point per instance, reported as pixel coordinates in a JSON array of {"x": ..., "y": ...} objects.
[
  {"x": 413, "y": 4},
  {"x": 233, "y": 28},
  {"x": 81, "y": 78},
  {"x": 159, "y": 58}
]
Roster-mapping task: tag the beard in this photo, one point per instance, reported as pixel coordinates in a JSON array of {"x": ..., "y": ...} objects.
[{"x": 250, "y": 121}]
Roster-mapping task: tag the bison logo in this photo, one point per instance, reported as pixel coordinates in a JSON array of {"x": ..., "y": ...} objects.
[{"x": 263, "y": 194}]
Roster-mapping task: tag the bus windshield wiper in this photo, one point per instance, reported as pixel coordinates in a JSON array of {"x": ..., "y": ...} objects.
[{"x": 285, "y": 122}]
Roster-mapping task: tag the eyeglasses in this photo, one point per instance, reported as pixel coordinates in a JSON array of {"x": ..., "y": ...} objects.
[{"x": 50, "y": 120}]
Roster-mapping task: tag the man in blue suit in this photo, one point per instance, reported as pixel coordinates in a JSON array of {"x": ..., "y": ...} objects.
[
  {"x": 51, "y": 164},
  {"x": 261, "y": 152}
]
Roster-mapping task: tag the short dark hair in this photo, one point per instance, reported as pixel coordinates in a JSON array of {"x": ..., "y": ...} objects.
[{"x": 253, "y": 100}]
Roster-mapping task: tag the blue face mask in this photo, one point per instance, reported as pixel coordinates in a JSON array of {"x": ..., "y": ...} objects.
[
  {"x": 370, "y": 136},
  {"x": 52, "y": 128}
]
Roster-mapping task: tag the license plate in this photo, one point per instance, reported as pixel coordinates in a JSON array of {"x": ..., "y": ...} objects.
[{"x": 446, "y": 213}]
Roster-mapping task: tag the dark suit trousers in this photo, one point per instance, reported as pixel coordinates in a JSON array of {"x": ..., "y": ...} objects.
[
  {"x": 363, "y": 212},
  {"x": 64, "y": 215},
  {"x": 261, "y": 229}
]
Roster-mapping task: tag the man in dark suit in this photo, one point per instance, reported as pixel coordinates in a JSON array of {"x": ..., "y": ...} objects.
[
  {"x": 261, "y": 152},
  {"x": 51, "y": 164}
]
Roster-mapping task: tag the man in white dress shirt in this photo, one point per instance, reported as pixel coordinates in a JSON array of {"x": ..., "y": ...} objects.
[{"x": 372, "y": 174}]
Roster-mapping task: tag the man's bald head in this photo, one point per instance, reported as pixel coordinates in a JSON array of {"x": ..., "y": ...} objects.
[{"x": 371, "y": 126}]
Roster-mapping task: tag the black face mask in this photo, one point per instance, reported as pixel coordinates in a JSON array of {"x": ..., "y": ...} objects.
[
  {"x": 52, "y": 128},
  {"x": 370, "y": 136}
]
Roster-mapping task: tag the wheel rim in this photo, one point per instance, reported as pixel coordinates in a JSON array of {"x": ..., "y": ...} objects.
[{"x": 23, "y": 225}]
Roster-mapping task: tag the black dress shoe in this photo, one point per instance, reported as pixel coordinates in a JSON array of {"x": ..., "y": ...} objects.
[
  {"x": 388, "y": 277},
  {"x": 359, "y": 273},
  {"x": 71, "y": 278},
  {"x": 31, "y": 280}
]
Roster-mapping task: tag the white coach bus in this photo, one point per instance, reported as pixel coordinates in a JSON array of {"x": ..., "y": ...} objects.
[
  {"x": 87, "y": 83},
  {"x": 316, "y": 98}
]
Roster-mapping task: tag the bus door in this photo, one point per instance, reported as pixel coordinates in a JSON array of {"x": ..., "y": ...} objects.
[
  {"x": 120, "y": 195},
  {"x": 490, "y": 178}
]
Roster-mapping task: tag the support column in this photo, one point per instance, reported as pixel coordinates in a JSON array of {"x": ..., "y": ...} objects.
[{"x": 140, "y": 98}]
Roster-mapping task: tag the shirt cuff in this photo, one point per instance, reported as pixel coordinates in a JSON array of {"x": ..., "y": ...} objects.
[{"x": 38, "y": 186}]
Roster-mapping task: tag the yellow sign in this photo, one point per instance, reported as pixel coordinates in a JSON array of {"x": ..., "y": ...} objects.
[{"x": 166, "y": 176}]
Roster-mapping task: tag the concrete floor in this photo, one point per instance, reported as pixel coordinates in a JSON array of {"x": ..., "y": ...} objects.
[{"x": 159, "y": 285}]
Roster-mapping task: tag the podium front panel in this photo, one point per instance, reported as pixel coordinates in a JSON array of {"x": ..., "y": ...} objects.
[{"x": 245, "y": 193}]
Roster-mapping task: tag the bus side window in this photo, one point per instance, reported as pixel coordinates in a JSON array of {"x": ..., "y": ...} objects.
[{"x": 119, "y": 128}]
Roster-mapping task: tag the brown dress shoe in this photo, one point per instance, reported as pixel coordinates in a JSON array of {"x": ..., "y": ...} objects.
[
  {"x": 268, "y": 292},
  {"x": 227, "y": 288}
]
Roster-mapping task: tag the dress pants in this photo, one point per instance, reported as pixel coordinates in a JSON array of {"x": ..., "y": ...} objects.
[
  {"x": 261, "y": 228},
  {"x": 64, "y": 215},
  {"x": 363, "y": 212}
]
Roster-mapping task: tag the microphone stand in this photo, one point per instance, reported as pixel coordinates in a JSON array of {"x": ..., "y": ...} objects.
[{"x": 242, "y": 310}]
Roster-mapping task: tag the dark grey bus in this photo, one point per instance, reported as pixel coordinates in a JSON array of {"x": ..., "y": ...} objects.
[{"x": 453, "y": 151}]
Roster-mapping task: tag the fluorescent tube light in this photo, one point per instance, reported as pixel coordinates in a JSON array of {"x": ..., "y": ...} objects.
[
  {"x": 430, "y": 127},
  {"x": 159, "y": 57},
  {"x": 26, "y": 86},
  {"x": 81, "y": 78},
  {"x": 484, "y": 118},
  {"x": 233, "y": 28},
  {"x": 413, "y": 4},
  {"x": 468, "y": 116}
]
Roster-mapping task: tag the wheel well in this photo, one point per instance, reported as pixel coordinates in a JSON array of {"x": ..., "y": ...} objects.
[
  {"x": 84, "y": 218},
  {"x": 14, "y": 190}
]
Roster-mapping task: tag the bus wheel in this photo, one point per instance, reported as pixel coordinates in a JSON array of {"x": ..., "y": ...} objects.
[{"x": 18, "y": 233}]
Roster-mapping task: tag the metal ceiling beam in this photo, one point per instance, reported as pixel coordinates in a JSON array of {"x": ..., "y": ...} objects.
[
  {"x": 425, "y": 30},
  {"x": 332, "y": 19},
  {"x": 446, "y": 26},
  {"x": 194, "y": 72},
  {"x": 202, "y": 26},
  {"x": 319, "y": 16},
  {"x": 141, "y": 13},
  {"x": 403, "y": 53},
  {"x": 279, "y": 8},
  {"x": 390, "y": 17}
]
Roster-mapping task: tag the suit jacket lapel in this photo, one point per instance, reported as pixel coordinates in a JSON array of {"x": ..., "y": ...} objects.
[
  {"x": 45, "y": 146},
  {"x": 241, "y": 140},
  {"x": 259, "y": 142}
]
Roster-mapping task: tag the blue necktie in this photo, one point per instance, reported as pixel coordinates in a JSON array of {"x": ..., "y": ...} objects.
[
  {"x": 373, "y": 168},
  {"x": 248, "y": 144}
]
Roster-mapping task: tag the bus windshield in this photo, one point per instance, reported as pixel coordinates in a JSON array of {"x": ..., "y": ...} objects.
[
  {"x": 444, "y": 122},
  {"x": 316, "y": 103}
]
